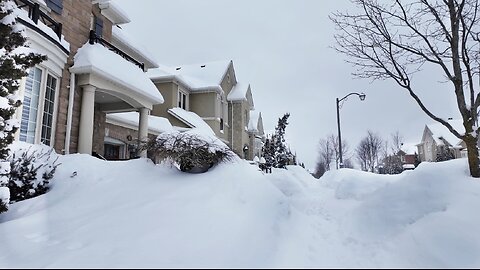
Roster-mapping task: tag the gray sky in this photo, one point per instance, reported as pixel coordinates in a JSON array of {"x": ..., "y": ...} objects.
[{"x": 282, "y": 48}]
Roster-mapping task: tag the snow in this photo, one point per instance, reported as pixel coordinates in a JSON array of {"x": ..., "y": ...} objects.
[
  {"x": 98, "y": 59},
  {"x": 253, "y": 122},
  {"x": 139, "y": 50},
  {"x": 198, "y": 77},
  {"x": 409, "y": 148},
  {"x": 134, "y": 214},
  {"x": 239, "y": 92},
  {"x": 156, "y": 124},
  {"x": 192, "y": 119},
  {"x": 440, "y": 131},
  {"x": 23, "y": 14}
]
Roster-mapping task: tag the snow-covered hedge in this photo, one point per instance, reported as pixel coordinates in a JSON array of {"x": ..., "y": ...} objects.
[
  {"x": 31, "y": 168},
  {"x": 193, "y": 150}
]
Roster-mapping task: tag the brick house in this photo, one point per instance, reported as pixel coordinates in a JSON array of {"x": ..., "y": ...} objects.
[{"x": 67, "y": 97}]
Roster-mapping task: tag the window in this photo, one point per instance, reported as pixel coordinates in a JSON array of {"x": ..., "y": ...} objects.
[
  {"x": 55, "y": 5},
  {"x": 37, "y": 121},
  {"x": 30, "y": 105},
  {"x": 98, "y": 26},
  {"x": 221, "y": 125},
  {"x": 48, "y": 110},
  {"x": 182, "y": 100}
]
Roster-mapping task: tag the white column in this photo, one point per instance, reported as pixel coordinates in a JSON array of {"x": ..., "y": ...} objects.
[
  {"x": 143, "y": 128},
  {"x": 85, "y": 136}
]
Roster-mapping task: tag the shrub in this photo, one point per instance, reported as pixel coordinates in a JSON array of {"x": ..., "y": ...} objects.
[
  {"x": 30, "y": 172},
  {"x": 192, "y": 152}
]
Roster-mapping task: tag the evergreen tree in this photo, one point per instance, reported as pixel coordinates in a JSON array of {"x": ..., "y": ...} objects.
[
  {"x": 417, "y": 160},
  {"x": 281, "y": 153},
  {"x": 444, "y": 153},
  {"x": 268, "y": 152},
  {"x": 15, "y": 59}
]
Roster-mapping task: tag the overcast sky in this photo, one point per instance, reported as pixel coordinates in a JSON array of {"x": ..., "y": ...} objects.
[{"x": 283, "y": 49}]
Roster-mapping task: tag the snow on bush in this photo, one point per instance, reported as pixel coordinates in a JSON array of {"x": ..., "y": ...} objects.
[
  {"x": 31, "y": 168},
  {"x": 194, "y": 151}
]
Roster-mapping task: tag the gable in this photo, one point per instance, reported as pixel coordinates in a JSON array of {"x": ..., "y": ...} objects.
[{"x": 250, "y": 98}]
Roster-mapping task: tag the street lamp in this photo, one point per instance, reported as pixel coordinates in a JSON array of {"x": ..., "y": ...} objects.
[{"x": 362, "y": 98}]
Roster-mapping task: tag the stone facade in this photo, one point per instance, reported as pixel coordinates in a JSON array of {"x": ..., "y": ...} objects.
[{"x": 76, "y": 19}]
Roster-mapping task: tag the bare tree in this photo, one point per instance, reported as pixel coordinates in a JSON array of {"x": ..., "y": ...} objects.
[
  {"x": 369, "y": 150},
  {"x": 395, "y": 39},
  {"x": 345, "y": 148},
  {"x": 326, "y": 152},
  {"x": 397, "y": 142}
]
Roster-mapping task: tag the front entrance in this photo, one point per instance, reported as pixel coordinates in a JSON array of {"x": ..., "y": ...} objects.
[{"x": 112, "y": 152}]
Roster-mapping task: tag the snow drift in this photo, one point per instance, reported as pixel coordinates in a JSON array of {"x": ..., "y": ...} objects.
[{"x": 136, "y": 214}]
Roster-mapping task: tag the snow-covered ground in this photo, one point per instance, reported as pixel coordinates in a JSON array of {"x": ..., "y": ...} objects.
[{"x": 137, "y": 214}]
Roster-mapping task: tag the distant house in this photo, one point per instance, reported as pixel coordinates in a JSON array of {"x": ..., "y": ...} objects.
[
  {"x": 256, "y": 133},
  {"x": 438, "y": 140},
  {"x": 407, "y": 154},
  {"x": 211, "y": 91}
]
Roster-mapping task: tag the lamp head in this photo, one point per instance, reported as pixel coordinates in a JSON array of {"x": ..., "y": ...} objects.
[{"x": 362, "y": 96}]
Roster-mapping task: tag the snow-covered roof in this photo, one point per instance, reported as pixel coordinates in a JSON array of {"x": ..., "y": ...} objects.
[
  {"x": 191, "y": 119},
  {"x": 112, "y": 11},
  {"x": 239, "y": 92},
  {"x": 98, "y": 59},
  {"x": 156, "y": 124},
  {"x": 440, "y": 131},
  {"x": 409, "y": 148},
  {"x": 198, "y": 77},
  {"x": 23, "y": 14},
  {"x": 122, "y": 40},
  {"x": 253, "y": 123}
]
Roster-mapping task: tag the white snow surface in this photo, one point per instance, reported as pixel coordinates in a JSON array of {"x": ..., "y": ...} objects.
[
  {"x": 239, "y": 92},
  {"x": 23, "y": 14},
  {"x": 96, "y": 58},
  {"x": 155, "y": 123},
  {"x": 125, "y": 214},
  {"x": 198, "y": 77},
  {"x": 440, "y": 131},
  {"x": 409, "y": 148},
  {"x": 192, "y": 119},
  {"x": 138, "y": 49},
  {"x": 253, "y": 122}
]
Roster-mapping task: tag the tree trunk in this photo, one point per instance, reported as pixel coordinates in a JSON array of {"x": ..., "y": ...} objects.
[{"x": 473, "y": 162}]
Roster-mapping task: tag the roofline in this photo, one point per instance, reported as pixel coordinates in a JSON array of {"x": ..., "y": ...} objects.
[{"x": 180, "y": 118}]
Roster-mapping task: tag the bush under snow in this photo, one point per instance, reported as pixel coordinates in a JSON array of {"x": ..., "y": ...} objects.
[
  {"x": 31, "y": 169},
  {"x": 193, "y": 151}
]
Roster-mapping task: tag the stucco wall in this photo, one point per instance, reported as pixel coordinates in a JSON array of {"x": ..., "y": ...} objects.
[{"x": 203, "y": 104}]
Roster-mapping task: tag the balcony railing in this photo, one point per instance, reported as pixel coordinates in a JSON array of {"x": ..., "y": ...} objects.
[
  {"x": 96, "y": 39},
  {"x": 36, "y": 14}
]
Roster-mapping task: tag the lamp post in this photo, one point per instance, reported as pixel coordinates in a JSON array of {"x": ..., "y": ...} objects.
[{"x": 362, "y": 98}]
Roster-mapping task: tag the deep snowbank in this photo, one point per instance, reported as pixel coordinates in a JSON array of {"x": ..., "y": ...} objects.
[{"x": 137, "y": 214}]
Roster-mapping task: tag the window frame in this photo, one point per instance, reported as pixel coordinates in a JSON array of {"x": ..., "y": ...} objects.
[
  {"x": 41, "y": 105},
  {"x": 182, "y": 99}
]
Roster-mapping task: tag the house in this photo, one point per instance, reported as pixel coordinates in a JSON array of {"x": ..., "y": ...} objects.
[
  {"x": 211, "y": 91},
  {"x": 121, "y": 134},
  {"x": 256, "y": 133},
  {"x": 92, "y": 70},
  {"x": 407, "y": 154},
  {"x": 438, "y": 141}
]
